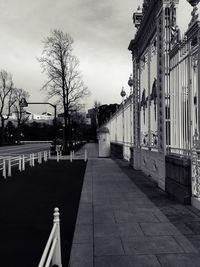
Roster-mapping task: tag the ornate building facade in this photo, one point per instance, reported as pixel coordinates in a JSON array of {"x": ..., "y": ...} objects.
[{"x": 162, "y": 135}]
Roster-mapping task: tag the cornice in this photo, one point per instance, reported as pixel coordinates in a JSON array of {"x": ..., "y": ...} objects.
[{"x": 147, "y": 28}]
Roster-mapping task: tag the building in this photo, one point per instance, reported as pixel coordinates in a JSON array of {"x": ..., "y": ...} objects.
[{"x": 158, "y": 128}]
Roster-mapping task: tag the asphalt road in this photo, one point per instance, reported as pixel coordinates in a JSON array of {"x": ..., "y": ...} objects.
[{"x": 23, "y": 149}]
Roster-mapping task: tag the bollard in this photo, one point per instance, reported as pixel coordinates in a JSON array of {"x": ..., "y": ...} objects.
[
  {"x": 9, "y": 167},
  {"x": 70, "y": 156},
  {"x": 20, "y": 164},
  {"x": 56, "y": 259},
  {"x": 4, "y": 169},
  {"x": 23, "y": 163}
]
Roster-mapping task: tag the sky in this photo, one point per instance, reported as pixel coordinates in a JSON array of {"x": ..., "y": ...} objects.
[{"x": 101, "y": 31}]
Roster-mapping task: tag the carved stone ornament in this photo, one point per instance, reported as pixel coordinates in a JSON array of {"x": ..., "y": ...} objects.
[
  {"x": 193, "y": 2},
  {"x": 194, "y": 12}
]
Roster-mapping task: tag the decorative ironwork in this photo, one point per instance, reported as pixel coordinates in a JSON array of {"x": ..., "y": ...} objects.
[
  {"x": 195, "y": 158},
  {"x": 154, "y": 138},
  {"x": 144, "y": 102},
  {"x": 154, "y": 95},
  {"x": 144, "y": 139}
]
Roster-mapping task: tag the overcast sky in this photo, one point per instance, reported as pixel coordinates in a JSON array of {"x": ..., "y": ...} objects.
[{"x": 101, "y": 31}]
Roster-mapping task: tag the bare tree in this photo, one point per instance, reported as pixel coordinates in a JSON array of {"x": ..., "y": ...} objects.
[
  {"x": 19, "y": 111},
  {"x": 64, "y": 80},
  {"x": 6, "y": 99}
]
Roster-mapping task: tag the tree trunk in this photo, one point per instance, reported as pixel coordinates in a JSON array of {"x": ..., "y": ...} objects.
[{"x": 2, "y": 141}]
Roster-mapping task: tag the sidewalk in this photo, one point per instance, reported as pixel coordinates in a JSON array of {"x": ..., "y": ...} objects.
[{"x": 124, "y": 220}]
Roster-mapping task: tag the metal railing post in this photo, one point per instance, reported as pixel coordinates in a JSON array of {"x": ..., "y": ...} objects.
[
  {"x": 49, "y": 154},
  {"x": 70, "y": 156},
  {"x": 33, "y": 160},
  {"x": 57, "y": 156},
  {"x": 56, "y": 259},
  {"x": 4, "y": 169},
  {"x": 9, "y": 167},
  {"x": 20, "y": 164},
  {"x": 23, "y": 163},
  {"x": 30, "y": 160}
]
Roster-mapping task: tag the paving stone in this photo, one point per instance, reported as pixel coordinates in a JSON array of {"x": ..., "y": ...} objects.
[
  {"x": 141, "y": 202},
  {"x": 151, "y": 245},
  {"x": 108, "y": 246},
  {"x": 103, "y": 217},
  {"x": 185, "y": 244},
  {"x": 182, "y": 227},
  {"x": 132, "y": 195},
  {"x": 127, "y": 261},
  {"x": 129, "y": 229},
  {"x": 106, "y": 230},
  {"x": 84, "y": 214},
  {"x": 195, "y": 240},
  {"x": 83, "y": 234},
  {"x": 182, "y": 260},
  {"x": 86, "y": 197},
  {"x": 139, "y": 216},
  {"x": 81, "y": 255},
  {"x": 194, "y": 226},
  {"x": 156, "y": 229},
  {"x": 161, "y": 217}
]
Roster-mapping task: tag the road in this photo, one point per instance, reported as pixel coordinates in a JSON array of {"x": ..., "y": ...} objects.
[{"x": 23, "y": 149}]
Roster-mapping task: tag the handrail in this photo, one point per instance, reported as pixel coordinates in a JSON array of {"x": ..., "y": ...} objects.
[{"x": 52, "y": 252}]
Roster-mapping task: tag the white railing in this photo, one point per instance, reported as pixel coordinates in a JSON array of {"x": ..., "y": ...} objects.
[
  {"x": 71, "y": 156},
  {"x": 52, "y": 252},
  {"x": 34, "y": 142},
  {"x": 21, "y": 160}
]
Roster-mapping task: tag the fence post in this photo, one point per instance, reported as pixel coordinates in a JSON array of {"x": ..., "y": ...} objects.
[
  {"x": 33, "y": 160},
  {"x": 40, "y": 158},
  {"x": 9, "y": 167},
  {"x": 30, "y": 160},
  {"x": 20, "y": 164},
  {"x": 23, "y": 163},
  {"x": 57, "y": 156},
  {"x": 85, "y": 157},
  {"x": 4, "y": 168},
  {"x": 70, "y": 156},
  {"x": 49, "y": 154},
  {"x": 46, "y": 156},
  {"x": 73, "y": 155},
  {"x": 56, "y": 259}
]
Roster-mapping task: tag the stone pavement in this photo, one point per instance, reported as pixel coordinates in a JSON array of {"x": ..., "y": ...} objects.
[{"x": 124, "y": 220}]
